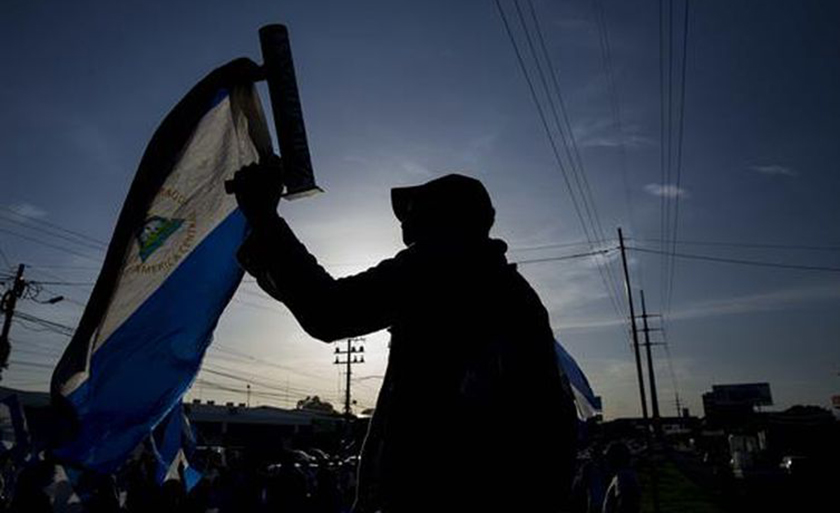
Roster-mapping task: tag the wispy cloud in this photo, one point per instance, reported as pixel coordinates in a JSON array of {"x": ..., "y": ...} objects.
[
  {"x": 415, "y": 169},
  {"x": 666, "y": 190},
  {"x": 588, "y": 323},
  {"x": 28, "y": 210},
  {"x": 602, "y": 133},
  {"x": 614, "y": 141},
  {"x": 762, "y": 302},
  {"x": 774, "y": 170}
]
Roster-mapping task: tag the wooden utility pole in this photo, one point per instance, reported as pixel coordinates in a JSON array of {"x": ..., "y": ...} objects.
[
  {"x": 7, "y": 305},
  {"x": 353, "y": 351},
  {"x": 654, "y": 401},
  {"x": 633, "y": 325}
]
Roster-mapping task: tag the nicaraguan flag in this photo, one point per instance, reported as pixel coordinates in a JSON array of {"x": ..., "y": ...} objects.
[
  {"x": 169, "y": 272},
  {"x": 173, "y": 443},
  {"x": 587, "y": 403}
]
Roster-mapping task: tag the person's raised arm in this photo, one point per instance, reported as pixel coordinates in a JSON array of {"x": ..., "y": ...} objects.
[{"x": 327, "y": 308}]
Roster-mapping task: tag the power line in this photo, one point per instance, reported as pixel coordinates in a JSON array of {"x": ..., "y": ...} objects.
[
  {"x": 38, "y": 269},
  {"x": 663, "y": 164},
  {"x": 285, "y": 391},
  {"x": 553, "y": 144},
  {"x": 565, "y": 131},
  {"x": 230, "y": 388},
  {"x": 45, "y": 231},
  {"x": 48, "y": 224},
  {"x": 65, "y": 283},
  {"x": 33, "y": 351},
  {"x": 24, "y": 324},
  {"x": 757, "y": 263},
  {"x": 600, "y": 252},
  {"x": 37, "y": 343},
  {"x": 553, "y": 110},
  {"x": 50, "y": 245},
  {"x": 36, "y": 365},
  {"x": 556, "y": 246},
  {"x": 239, "y": 377},
  {"x": 606, "y": 57},
  {"x": 250, "y": 377},
  {"x": 286, "y": 368},
  {"x": 57, "y": 327},
  {"x": 5, "y": 259},
  {"x": 750, "y": 245},
  {"x": 680, "y": 131},
  {"x": 68, "y": 267},
  {"x": 288, "y": 399},
  {"x": 542, "y": 117}
]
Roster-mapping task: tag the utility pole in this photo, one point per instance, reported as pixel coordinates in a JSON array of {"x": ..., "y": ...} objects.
[
  {"x": 7, "y": 305},
  {"x": 654, "y": 400},
  {"x": 352, "y": 358},
  {"x": 633, "y": 325}
]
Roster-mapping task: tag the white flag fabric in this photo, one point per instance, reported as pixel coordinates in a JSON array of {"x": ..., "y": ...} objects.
[
  {"x": 587, "y": 403},
  {"x": 168, "y": 275}
]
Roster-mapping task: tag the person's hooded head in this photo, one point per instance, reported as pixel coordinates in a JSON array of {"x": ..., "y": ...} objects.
[{"x": 450, "y": 208}]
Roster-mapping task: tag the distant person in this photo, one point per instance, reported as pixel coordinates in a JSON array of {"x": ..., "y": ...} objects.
[
  {"x": 588, "y": 487},
  {"x": 473, "y": 414},
  {"x": 624, "y": 494}
]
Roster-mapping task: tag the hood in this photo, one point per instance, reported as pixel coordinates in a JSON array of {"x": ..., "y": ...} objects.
[{"x": 450, "y": 207}]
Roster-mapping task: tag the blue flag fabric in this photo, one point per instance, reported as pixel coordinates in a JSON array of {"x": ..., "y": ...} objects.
[
  {"x": 169, "y": 273},
  {"x": 173, "y": 444},
  {"x": 587, "y": 403}
]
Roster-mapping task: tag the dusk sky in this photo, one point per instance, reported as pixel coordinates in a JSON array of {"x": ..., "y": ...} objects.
[{"x": 397, "y": 93}]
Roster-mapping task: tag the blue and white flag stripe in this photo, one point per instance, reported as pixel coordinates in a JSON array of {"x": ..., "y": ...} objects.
[
  {"x": 169, "y": 273},
  {"x": 173, "y": 443},
  {"x": 587, "y": 403}
]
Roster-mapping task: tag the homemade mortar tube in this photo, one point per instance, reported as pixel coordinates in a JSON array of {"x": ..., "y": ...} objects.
[{"x": 299, "y": 178}]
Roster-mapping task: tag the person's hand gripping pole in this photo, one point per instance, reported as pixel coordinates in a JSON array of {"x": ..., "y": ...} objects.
[{"x": 258, "y": 188}]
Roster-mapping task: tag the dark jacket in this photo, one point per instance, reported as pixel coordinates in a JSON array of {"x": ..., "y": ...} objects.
[{"x": 473, "y": 412}]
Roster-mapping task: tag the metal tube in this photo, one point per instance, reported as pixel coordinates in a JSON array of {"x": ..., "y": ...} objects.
[{"x": 279, "y": 69}]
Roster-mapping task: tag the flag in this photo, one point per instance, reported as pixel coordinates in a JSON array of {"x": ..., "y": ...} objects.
[
  {"x": 587, "y": 403},
  {"x": 169, "y": 272},
  {"x": 173, "y": 443}
]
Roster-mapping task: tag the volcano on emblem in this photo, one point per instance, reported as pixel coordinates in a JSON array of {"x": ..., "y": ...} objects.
[{"x": 154, "y": 233}]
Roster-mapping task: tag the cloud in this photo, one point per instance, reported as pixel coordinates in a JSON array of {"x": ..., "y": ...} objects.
[
  {"x": 666, "y": 190},
  {"x": 416, "y": 170},
  {"x": 601, "y": 133},
  {"x": 774, "y": 170},
  {"x": 28, "y": 210},
  {"x": 626, "y": 140},
  {"x": 589, "y": 323},
  {"x": 762, "y": 302}
]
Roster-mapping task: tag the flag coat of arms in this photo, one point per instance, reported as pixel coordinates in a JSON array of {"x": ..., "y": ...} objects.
[{"x": 169, "y": 272}]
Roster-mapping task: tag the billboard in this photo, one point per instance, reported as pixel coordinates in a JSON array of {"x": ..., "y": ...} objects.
[{"x": 756, "y": 394}]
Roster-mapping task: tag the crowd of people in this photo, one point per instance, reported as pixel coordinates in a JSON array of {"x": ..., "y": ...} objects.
[
  {"x": 228, "y": 482},
  {"x": 231, "y": 481}
]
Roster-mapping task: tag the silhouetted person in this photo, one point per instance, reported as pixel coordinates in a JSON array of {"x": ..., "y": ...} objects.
[
  {"x": 473, "y": 413},
  {"x": 172, "y": 496},
  {"x": 30, "y": 494},
  {"x": 624, "y": 494},
  {"x": 588, "y": 487}
]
